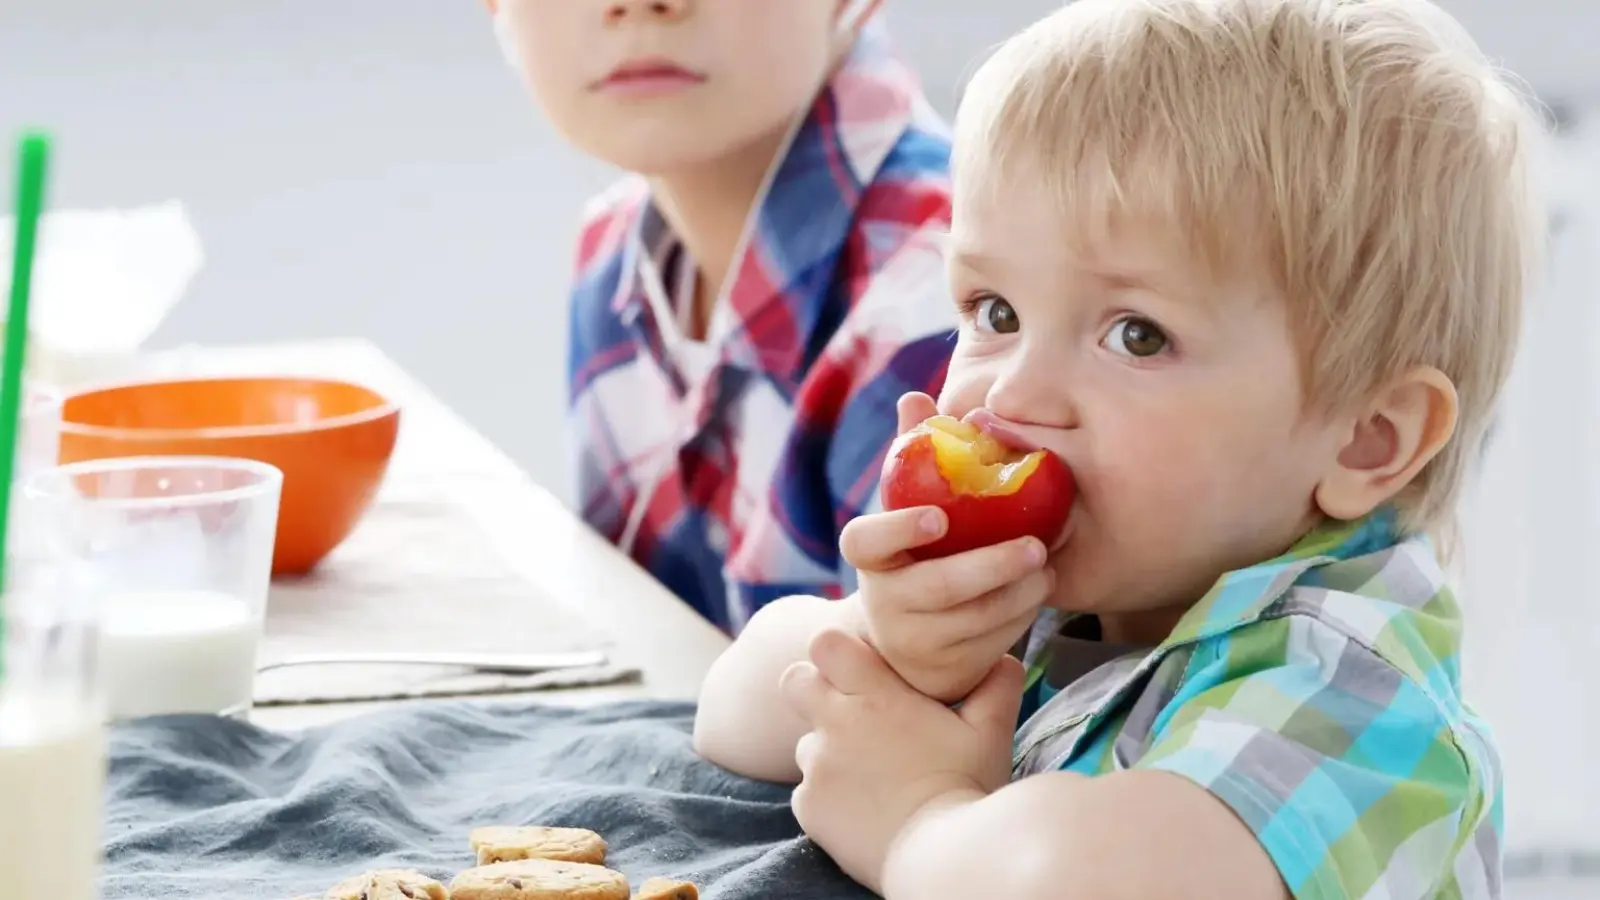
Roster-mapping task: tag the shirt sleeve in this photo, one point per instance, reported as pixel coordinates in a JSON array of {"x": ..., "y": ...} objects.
[
  {"x": 899, "y": 340},
  {"x": 897, "y": 337},
  {"x": 597, "y": 343},
  {"x": 1356, "y": 781}
]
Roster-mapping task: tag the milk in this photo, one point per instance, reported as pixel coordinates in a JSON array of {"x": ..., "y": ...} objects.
[
  {"x": 171, "y": 652},
  {"x": 52, "y": 774}
]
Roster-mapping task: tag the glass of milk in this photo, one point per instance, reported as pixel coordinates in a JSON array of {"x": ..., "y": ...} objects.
[
  {"x": 175, "y": 556},
  {"x": 52, "y": 750}
]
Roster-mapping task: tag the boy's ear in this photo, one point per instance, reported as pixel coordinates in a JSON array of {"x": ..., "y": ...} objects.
[
  {"x": 1402, "y": 429},
  {"x": 505, "y": 35}
]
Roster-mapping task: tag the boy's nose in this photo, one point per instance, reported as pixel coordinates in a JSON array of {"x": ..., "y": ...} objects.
[
  {"x": 1032, "y": 391},
  {"x": 619, "y": 11}
]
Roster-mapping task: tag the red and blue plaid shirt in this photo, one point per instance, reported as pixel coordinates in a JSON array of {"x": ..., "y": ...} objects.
[{"x": 750, "y": 457}]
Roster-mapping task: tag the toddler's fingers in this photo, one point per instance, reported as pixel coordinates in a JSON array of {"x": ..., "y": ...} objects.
[
  {"x": 992, "y": 612},
  {"x": 878, "y": 542},
  {"x": 911, "y": 409},
  {"x": 804, "y": 689},
  {"x": 938, "y": 584},
  {"x": 1002, "y": 637},
  {"x": 805, "y": 751}
]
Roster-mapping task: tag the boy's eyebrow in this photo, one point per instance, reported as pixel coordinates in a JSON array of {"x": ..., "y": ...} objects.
[
  {"x": 1123, "y": 279},
  {"x": 972, "y": 259},
  {"x": 1110, "y": 277},
  {"x": 1117, "y": 278}
]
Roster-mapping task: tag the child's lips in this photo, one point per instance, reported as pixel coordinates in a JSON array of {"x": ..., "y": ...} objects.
[
  {"x": 649, "y": 75},
  {"x": 1001, "y": 430}
]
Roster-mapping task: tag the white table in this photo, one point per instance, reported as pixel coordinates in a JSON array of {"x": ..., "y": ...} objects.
[{"x": 531, "y": 528}]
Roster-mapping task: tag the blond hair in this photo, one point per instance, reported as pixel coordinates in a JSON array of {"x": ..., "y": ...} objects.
[{"x": 1365, "y": 149}]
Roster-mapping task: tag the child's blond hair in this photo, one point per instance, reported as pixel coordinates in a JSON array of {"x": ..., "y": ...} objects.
[{"x": 1364, "y": 149}]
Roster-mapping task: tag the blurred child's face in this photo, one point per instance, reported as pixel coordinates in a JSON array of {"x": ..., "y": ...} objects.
[
  {"x": 664, "y": 86},
  {"x": 1175, "y": 395}
]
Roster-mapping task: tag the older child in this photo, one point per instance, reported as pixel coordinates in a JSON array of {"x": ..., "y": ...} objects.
[
  {"x": 751, "y": 301},
  {"x": 1255, "y": 270}
]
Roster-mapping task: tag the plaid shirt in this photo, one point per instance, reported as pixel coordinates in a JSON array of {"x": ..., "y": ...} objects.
[
  {"x": 1318, "y": 696},
  {"x": 749, "y": 464}
]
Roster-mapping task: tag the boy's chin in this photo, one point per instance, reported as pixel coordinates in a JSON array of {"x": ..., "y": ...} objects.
[
  {"x": 651, "y": 156},
  {"x": 665, "y": 144}
]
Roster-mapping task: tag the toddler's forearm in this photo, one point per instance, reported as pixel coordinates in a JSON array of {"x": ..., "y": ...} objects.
[{"x": 743, "y": 724}]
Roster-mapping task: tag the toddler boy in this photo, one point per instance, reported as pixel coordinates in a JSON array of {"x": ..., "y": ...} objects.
[{"x": 1254, "y": 269}]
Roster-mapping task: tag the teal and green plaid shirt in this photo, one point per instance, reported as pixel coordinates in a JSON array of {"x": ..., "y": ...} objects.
[{"x": 1318, "y": 696}]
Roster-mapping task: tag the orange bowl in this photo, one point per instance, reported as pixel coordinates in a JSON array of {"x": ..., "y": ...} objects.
[{"x": 332, "y": 440}]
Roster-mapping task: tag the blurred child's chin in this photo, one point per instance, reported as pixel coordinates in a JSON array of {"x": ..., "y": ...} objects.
[{"x": 653, "y": 151}]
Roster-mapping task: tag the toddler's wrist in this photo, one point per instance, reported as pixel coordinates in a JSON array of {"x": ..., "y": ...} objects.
[{"x": 850, "y": 616}]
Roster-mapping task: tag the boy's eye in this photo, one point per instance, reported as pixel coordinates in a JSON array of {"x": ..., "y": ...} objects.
[
  {"x": 997, "y": 315},
  {"x": 1136, "y": 337}
]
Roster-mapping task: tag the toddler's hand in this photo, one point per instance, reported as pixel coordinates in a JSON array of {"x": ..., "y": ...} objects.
[{"x": 941, "y": 623}]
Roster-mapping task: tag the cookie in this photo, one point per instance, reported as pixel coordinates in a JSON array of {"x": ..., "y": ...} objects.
[
  {"x": 539, "y": 879},
  {"x": 388, "y": 884},
  {"x": 667, "y": 889},
  {"x": 500, "y": 843}
]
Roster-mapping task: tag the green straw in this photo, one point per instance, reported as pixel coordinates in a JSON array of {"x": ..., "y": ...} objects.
[{"x": 33, "y": 159}]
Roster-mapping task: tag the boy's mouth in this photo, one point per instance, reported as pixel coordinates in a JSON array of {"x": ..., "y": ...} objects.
[
  {"x": 647, "y": 76},
  {"x": 1001, "y": 430}
]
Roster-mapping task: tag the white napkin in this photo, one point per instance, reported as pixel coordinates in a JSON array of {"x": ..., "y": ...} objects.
[
  {"x": 103, "y": 281},
  {"x": 419, "y": 575}
]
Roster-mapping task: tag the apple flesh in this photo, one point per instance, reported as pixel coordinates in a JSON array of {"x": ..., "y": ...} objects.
[{"x": 990, "y": 492}]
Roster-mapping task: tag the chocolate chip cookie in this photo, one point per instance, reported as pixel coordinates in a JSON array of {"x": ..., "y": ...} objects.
[
  {"x": 539, "y": 879},
  {"x": 500, "y": 843},
  {"x": 388, "y": 884},
  {"x": 667, "y": 889}
]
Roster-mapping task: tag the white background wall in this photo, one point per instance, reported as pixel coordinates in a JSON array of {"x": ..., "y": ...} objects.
[
  {"x": 369, "y": 167},
  {"x": 1531, "y": 530}
]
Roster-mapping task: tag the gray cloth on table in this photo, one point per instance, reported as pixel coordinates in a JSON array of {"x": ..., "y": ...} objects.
[{"x": 201, "y": 807}]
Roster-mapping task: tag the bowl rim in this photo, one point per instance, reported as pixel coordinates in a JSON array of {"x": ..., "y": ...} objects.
[{"x": 385, "y": 408}]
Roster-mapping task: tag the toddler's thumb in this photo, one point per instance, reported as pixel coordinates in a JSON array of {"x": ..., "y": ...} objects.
[
  {"x": 912, "y": 409},
  {"x": 995, "y": 702}
]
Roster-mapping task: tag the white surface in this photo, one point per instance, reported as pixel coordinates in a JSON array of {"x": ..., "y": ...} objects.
[
  {"x": 1533, "y": 624},
  {"x": 52, "y": 773},
  {"x": 176, "y": 652},
  {"x": 418, "y": 574}
]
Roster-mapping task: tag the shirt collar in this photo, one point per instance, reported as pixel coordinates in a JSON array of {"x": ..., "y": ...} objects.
[
  {"x": 1244, "y": 595},
  {"x": 784, "y": 279}
]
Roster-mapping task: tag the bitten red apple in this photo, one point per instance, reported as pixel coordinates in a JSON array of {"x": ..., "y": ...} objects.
[{"x": 991, "y": 493}]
